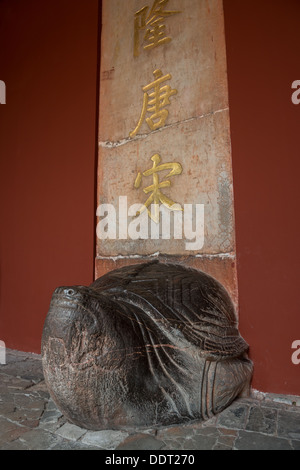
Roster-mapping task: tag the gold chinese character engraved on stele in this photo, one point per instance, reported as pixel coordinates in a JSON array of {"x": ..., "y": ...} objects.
[
  {"x": 153, "y": 24},
  {"x": 156, "y": 197},
  {"x": 155, "y": 102}
]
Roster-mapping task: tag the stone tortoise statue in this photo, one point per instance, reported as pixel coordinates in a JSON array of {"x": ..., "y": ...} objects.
[{"x": 144, "y": 346}]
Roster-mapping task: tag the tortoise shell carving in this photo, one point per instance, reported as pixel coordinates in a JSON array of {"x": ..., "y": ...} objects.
[{"x": 145, "y": 345}]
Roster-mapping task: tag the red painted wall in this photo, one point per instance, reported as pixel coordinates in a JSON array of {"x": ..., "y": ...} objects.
[
  {"x": 263, "y": 49},
  {"x": 48, "y": 59}
]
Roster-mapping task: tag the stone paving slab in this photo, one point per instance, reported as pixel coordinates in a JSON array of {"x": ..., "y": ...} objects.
[{"x": 30, "y": 420}]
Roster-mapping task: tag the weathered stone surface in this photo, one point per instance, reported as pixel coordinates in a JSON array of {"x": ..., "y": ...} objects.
[
  {"x": 14, "y": 432},
  {"x": 50, "y": 416},
  {"x": 220, "y": 446},
  {"x": 15, "y": 445},
  {"x": 262, "y": 420},
  {"x": 108, "y": 440},
  {"x": 13, "y": 383},
  {"x": 227, "y": 432},
  {"x": 226, "y": 441},
  {"x": 234, "y": 417},
  {"x": 296, "y": 445},
  {"x": 181, "y": 358},
  {"x": 173, "y": 433},
  {"x": 7, "y": 405},
  {"x": 257, "y": 441},
  {"x": 30, "y": 417},
  {"x": 30, "y": 370},
  {"x": 206, "y": 431},
  {"x": 140, "y": 442},
  {"x": 289, "y": 425},
  {"x": 29, "y": 402},
  {"x": 6, "y": 426},
  {"x": 38, "y": 440},
  {"x": 72, "y": 445},
  {"x": 199, "y": 442},
  {"x": 40, "y": 390},
  {"x": 70, "y": 432}
]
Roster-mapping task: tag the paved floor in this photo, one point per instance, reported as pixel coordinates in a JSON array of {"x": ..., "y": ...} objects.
[{"x": 30, "y": 420}]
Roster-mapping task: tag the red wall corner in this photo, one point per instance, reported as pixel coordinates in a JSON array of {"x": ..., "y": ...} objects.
[{"x": 263, "y": 51}]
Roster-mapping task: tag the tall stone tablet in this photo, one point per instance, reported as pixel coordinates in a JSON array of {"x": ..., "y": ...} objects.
[{"x": 164, "y": 170}]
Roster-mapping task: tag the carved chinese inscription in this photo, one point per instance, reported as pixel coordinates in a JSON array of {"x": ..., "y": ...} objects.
[
  {"x": 156, "y": 197},
  {"x": 151, "y": 23},
  {"x": 156, "y": 98}
]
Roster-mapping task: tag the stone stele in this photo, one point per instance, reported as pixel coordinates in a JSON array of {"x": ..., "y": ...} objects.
[
  {"x": 145, "y": 345},
  {"x": 185, "y": 42}
]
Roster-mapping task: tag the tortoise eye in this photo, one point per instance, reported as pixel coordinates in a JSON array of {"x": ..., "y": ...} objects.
[{"x": 70, "y": 292}]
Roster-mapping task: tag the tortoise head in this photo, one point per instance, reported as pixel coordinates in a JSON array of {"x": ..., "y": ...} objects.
[{"x": 82, "y": 328}]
